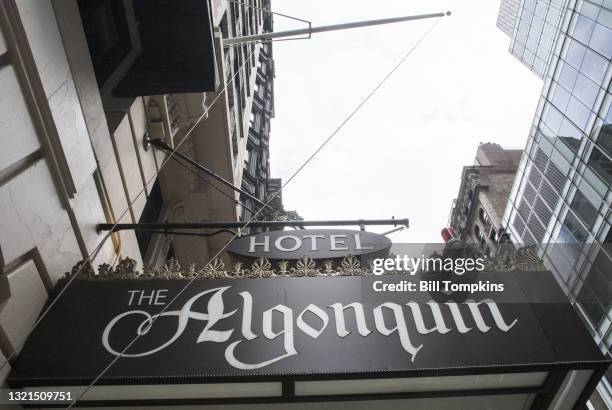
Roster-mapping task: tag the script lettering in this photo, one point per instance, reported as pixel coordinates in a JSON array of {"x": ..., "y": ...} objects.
[{"x": 311, "y": 321}]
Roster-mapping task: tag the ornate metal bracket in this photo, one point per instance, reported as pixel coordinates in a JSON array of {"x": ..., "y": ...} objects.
[{"x": 509, "y": 259}]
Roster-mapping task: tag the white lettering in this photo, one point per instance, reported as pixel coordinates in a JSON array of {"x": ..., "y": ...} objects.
[
  {"x": 497, "y": 317},
  {"x": 216, "y": 312},
  {"x": 337, "y": 243},
  {"x": 313, "y": 241},
  {"x": 358, "y": 243},
  {"x": 306, "y": 328},
  {"x": 400, "y": 326},
  {"x": 379, "y": 286},
  {"x": 254, "y": 243},
  {"x": 420, "y": 323},
  {"x": 146, "y": 297},
  {"x": 132, "y": 293},
  {"x": 159, "y": 296},
  {"x": 359, "y": 319},
  {"x": 183, "y": 316},
  {"x": 269, "y": 334},
  {"x": 461, "y": 327},
  {"x": 247, "y": 315},
  {"x": 279, "y": 243}
]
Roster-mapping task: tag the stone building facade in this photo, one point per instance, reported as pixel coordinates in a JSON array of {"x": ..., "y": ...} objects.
[
  {"x": 74, "y": 141},
  {"x": 476, "y": 215}
]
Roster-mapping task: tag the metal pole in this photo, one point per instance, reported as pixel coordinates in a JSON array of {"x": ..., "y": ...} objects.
[
  {"x": 255, "y": 224},
  {"x": 166, "y": 148},
  {"x": 399, "y": 228},
  {"x": 333, "y": 27}
]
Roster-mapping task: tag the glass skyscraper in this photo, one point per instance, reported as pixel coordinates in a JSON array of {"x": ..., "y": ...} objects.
[
  {"x": 536, "y": 28},
  {"x": 506, "y": 18},
  {"x": 562, "y": 195}
]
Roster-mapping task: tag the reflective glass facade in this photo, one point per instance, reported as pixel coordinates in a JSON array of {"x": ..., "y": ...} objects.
[
  {"x": 536, "y": 29},
  {"x": 506, "y": 18},
  {"x": 562, "y": 196}
]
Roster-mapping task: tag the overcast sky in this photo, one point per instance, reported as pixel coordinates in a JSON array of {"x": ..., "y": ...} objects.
[{"x": 402, "y": 154}]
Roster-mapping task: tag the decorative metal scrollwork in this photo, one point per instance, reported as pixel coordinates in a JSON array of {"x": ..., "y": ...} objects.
[
  {"x": 328, "y": 268},
  {"x": 507, "y": 259},
  {"x": 171, "y": 270},
  {"x": 283, "y": 269},
  {"x": 261, "y": 268},
  {"x": 215, "y": 269},
  {"x": 350, "y": 266},
  {"x": 305, "y": 267},
  {"x": 237, "y": 271}
]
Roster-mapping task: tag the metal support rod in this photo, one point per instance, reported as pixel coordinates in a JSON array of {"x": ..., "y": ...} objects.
[
  {"x": 399, "y": 228},
  {"x": 166, "y": 148},
  {"x": 255, "y": 224},
  {"x": 311, "y": 30}
]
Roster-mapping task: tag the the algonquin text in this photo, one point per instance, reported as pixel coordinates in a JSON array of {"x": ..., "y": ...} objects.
[{"x": 390, "y": 319}]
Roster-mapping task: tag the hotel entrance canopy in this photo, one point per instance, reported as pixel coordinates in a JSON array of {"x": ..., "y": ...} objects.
[{"x": 283, "y": 340}]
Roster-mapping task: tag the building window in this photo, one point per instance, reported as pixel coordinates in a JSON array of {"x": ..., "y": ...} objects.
[
  {"x": 240, "y": 211},
  {"x": 604, "y": 140},
  {"x": 482, "y": 215},
  {"x": 247, "y": 158},
  {"x": 572, "y": 231},
  {"x": 608, "y": 238},
  {"x": 596, "y": 293},
  {"x": 493, "y": 235},
  {"x": 480, "y": 237},
  {"x": 584, "y": 209},
  {"x": 601, "y": 165}
]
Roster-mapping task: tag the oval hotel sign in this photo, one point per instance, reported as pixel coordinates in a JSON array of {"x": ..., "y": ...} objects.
[{"x": 313, "y": 243}]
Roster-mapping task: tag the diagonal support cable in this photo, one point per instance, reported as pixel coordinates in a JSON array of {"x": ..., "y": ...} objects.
[
  {"x": 240, "y": 230},
  {"x": 158, "y": 143},
  {"x": 94, "y": 253}
]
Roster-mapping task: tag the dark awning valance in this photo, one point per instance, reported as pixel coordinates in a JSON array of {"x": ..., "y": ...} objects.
[
  {"x": 151, "y": 47},
  {"x": 177, "y": 55},
  {"x": 310, "y": 339}
]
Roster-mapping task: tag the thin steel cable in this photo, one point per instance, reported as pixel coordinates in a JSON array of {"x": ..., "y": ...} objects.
[
  {"x": 239, "y": 232},
  {"x": 361, "y": 104},
  {"x": 394, "y": 234},
  {"x": 202, "y": 178},
  {"x": 196, "y": 172},
  {"x": 98, "y": 248}
]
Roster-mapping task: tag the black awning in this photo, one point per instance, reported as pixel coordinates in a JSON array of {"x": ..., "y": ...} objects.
[
  {"x": 177, "y": 54},
  {"x": 309, "y": 339}
]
